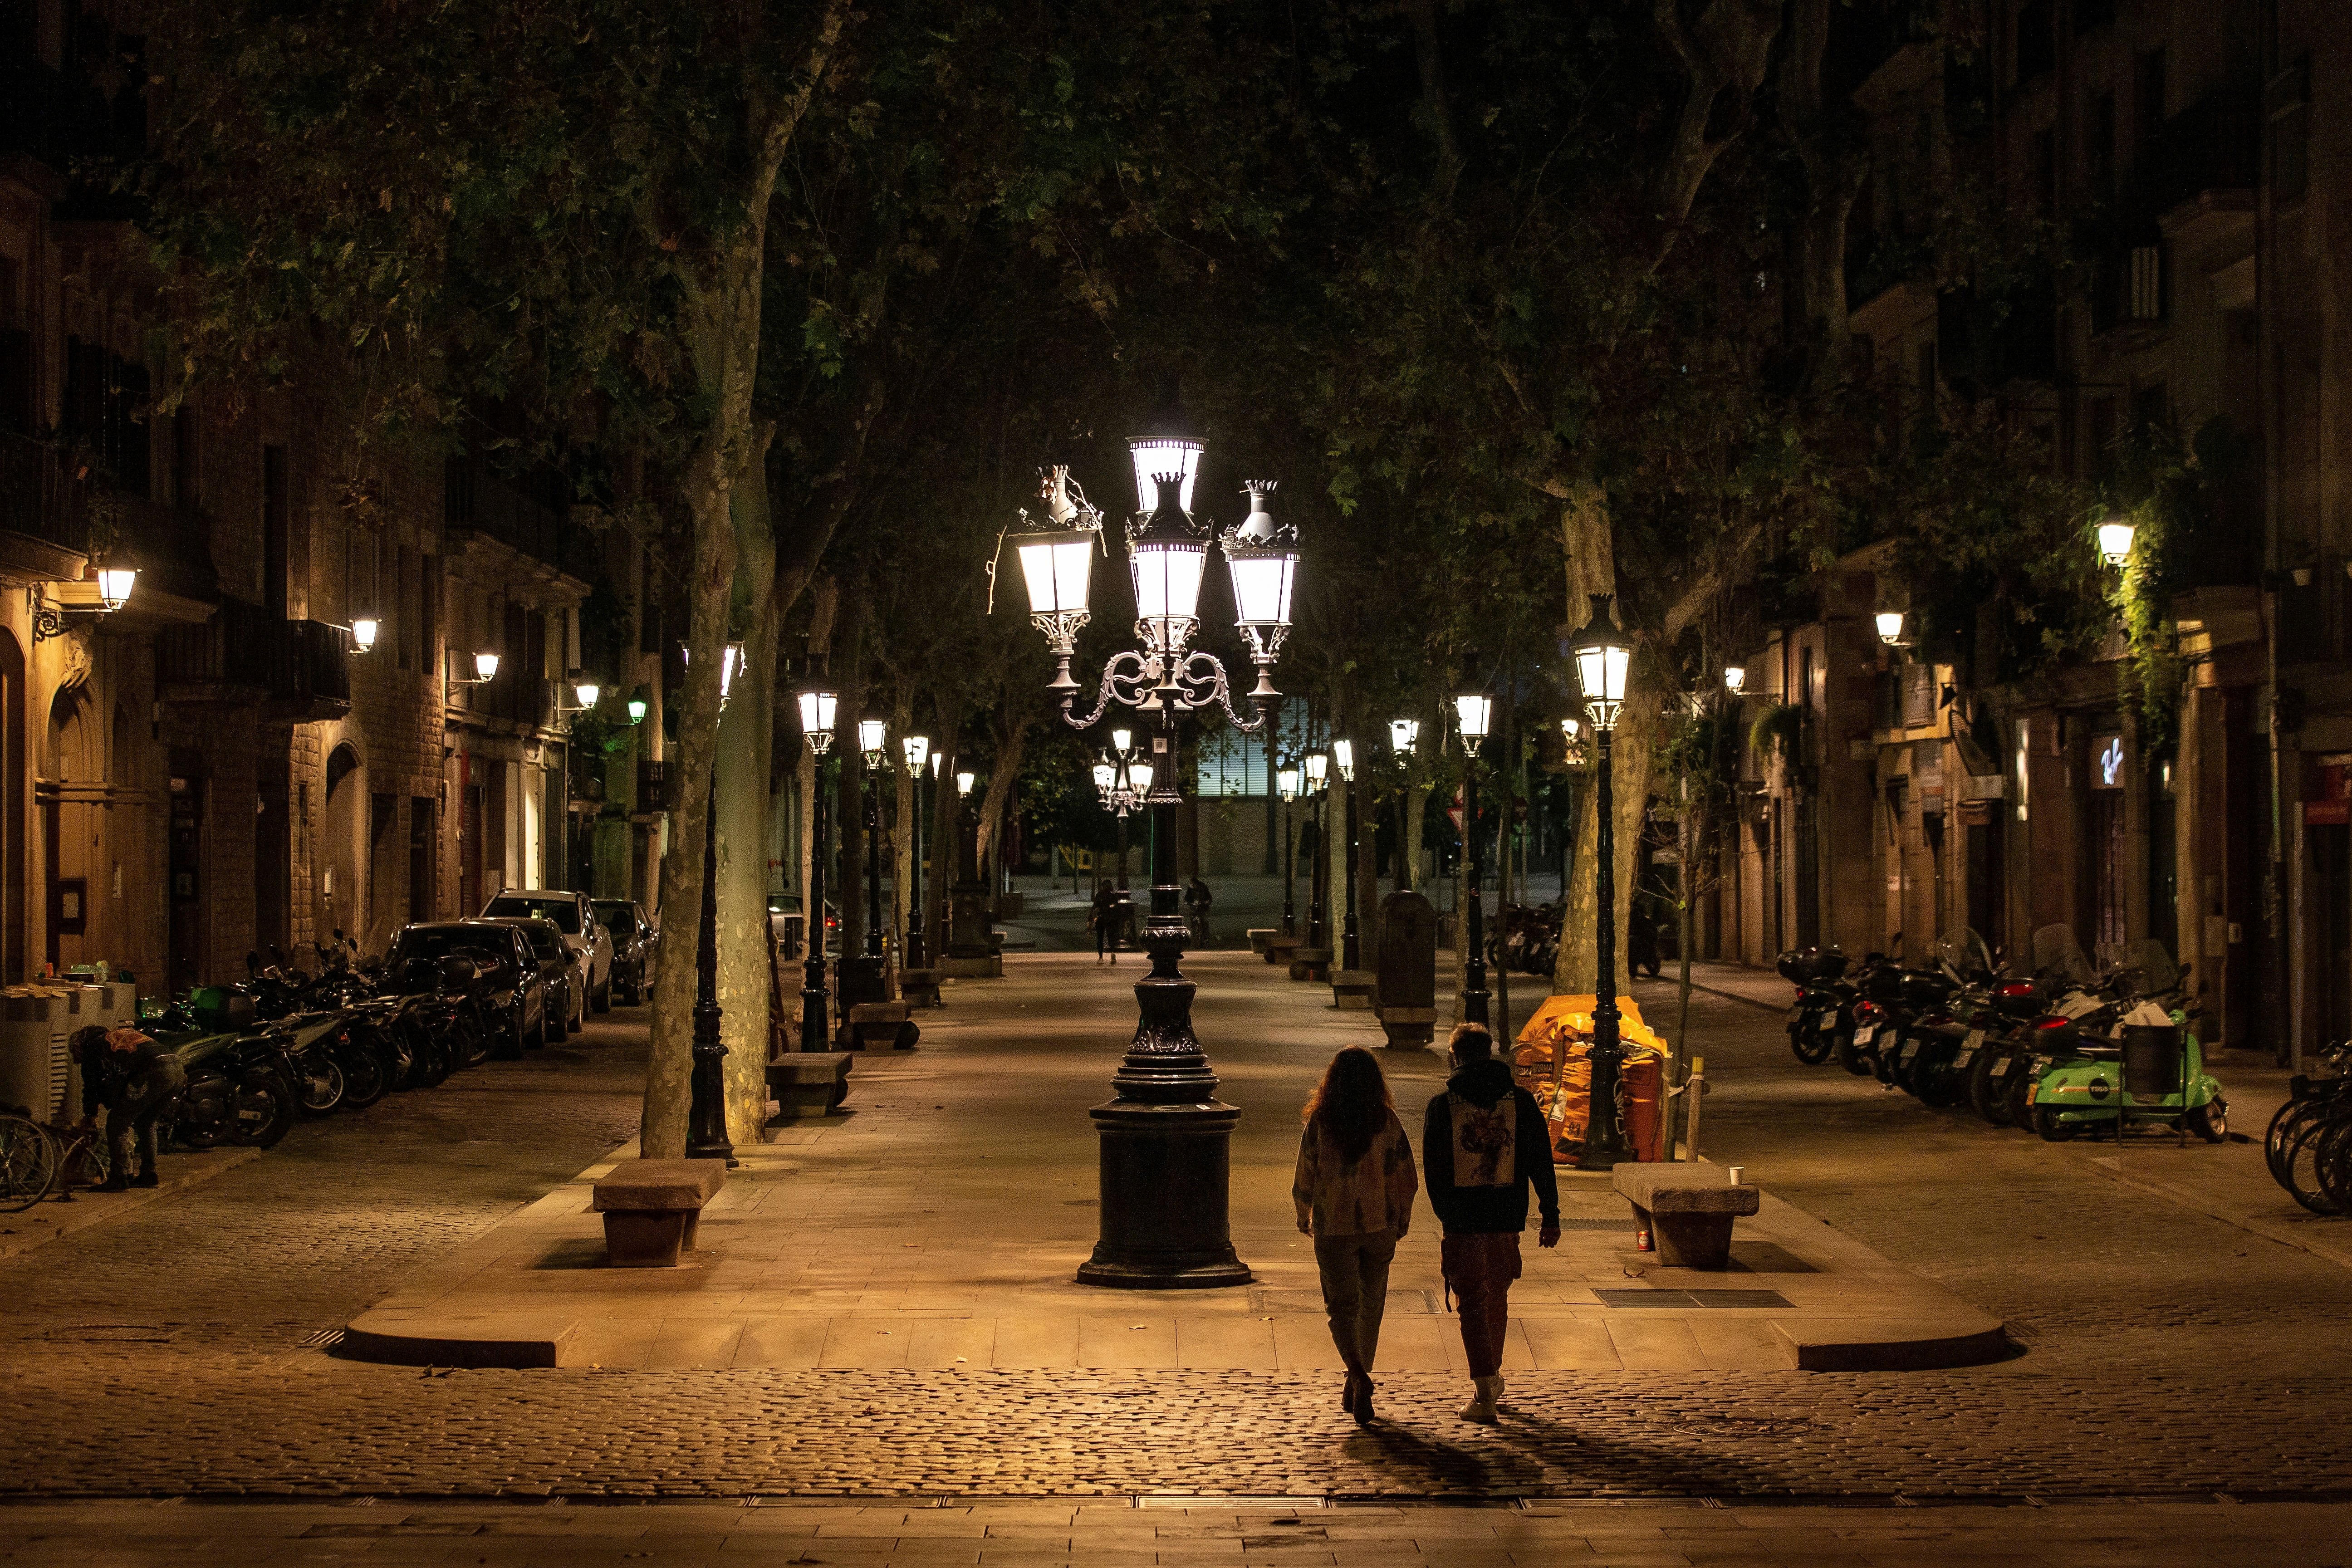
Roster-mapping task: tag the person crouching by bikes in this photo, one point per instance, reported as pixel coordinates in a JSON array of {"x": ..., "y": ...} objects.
[
  {"x": 125, "y": 1074},
  {"x": 1196, "y": 899}
]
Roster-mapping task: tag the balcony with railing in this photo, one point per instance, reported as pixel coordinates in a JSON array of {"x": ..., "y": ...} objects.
[
  {"x": 244, "y": 657},
  {"x": 44, "y": 511},
  {"x": 486, "y": 506}
]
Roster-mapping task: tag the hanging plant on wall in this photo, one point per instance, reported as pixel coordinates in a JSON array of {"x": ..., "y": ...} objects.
[{"x": 1779, "y": 726}]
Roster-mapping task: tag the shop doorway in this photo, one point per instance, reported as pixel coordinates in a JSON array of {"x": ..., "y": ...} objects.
[
  {"x": 2106, "y": 852},
  {"x": 1987, "y": 890},
  {"x": 2329, "y": 847},
  {"x": 344, "y": 854}
]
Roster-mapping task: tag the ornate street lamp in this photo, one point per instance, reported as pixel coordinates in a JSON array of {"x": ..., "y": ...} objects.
[
  {"x": 2116, "y": 535},
  {"x": 1318, "y": 770},
  {"x": 1571, "y": 733},
  {"x": 1890, "y": 628},
  {"x": 1343, "y": 757},
  {"x": 1603, "y": 656},
  {"x": 364, "y": 633},
  {"x": 872, "y": 746},
  {"x": 706, "y": 1129},
  {"x": 1164, "y": 1133},
  {"x": 917, "y": 752},
  {"x": 1473, "y": 711},
  {"x": 1121, "y": 788},
  {"x": 818, "y": 705},
  {"x": 1403, "y": 734},
  {"x": 1285, "y": 783}
]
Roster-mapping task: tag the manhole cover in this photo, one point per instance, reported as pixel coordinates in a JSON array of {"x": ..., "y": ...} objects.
[{"x": 1683, "y": 1300}]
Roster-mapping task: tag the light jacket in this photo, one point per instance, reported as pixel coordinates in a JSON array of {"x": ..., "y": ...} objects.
[{"x": 1361, "y": 1198}]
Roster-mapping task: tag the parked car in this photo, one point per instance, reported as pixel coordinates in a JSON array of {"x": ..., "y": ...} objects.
[
  {"x": 560, "y": 963},
  {"x": 577, "y": 920},
  {"x": 635, "y": 938},
  {"x": 514, "y": 985}
]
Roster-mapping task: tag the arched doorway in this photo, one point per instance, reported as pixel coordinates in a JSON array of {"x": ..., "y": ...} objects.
[
  {"x": 72, "y": 789},
  {"x": 341, "y": 890}
]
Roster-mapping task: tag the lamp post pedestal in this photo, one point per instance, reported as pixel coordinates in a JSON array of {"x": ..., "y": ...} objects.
[
  {"x": 1166, "y": 1139},
  {"x": 1605, "y": 1135},
  {"x": 970, "y": 955}
]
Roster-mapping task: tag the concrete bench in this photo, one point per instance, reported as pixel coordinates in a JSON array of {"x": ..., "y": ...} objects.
[
  {"x": 1408, "y": 1026},
  {"x": 1261, "y": 938},
  {"x": 809, "y": 1083},
  {"x": 1310, "y": 963},
  {"x": 1352, "y": 989},
  {"x": 920, "y": 986},
  {"x": 652, "y": 1208},
  {"x": 1279, "y": 948},
  {"x": 1688, "y": 1210},
  {"x": 879, "y": 1026}
]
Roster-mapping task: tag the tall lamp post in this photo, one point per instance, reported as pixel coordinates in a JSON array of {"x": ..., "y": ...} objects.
[
  {"x": 1603, "y": 655},
  {"x": 1165, "y": 1138},
  {"x": 1317, "y": 916},
  {"x": 818, "y": 706},
  {"x": 1473, "y": 711},
  {"x": 918, "y": 750},
  {"x": 1285, "y": 781},
  {"x": 1343, "y": 757},
  {"x": 1120, "y": 783},
  {"x": 872, "y": 743},
  {"x": 1404, "y": 735},
  {"x": 706, "y": 1120}
]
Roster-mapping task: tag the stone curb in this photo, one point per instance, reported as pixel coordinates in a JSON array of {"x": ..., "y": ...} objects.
[{"x": 49, "y": 1219}]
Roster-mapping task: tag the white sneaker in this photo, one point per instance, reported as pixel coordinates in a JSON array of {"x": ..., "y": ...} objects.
[{"x": 1481, "y": 1408}]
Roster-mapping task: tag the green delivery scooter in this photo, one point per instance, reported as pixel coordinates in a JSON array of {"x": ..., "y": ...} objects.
[{"x": 2152, "y": 1072}]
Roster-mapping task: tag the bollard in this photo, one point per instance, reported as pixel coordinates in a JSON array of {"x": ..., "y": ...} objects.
[{"x": 1693, "y": 1091}]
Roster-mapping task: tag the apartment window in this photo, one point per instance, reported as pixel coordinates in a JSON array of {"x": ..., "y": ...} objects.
[
  {"x": 2099, "y": 137},
  {"x": 2288, "y": 101},
  {"x": 2144, "y": 284},
  {"x": 2147, "y": 103},
  {"x": 2037, "y": 39}
]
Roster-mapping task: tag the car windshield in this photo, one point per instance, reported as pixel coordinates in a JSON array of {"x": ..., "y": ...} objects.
[
  {"x": 544, "y": 941},
  {"x": 564, "y": 912},
  {"x": 438, "y": 943},
  {"x": 618, "y": 918}
]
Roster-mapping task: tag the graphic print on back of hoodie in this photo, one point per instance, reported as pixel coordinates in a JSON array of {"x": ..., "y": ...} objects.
[{"x": 1485, "y": 1140}]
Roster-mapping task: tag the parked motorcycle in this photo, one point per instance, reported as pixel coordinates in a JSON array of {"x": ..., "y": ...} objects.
[{"x": 1823, "y": 1011}]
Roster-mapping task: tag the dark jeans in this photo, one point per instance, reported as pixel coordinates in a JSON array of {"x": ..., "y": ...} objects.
[
  {"x": 132, "y": 1116},
  {"x": 1355, "y": 1271},
  {"x": 1106, "y": 932},
  {"x": 1479, "y": 1271}
]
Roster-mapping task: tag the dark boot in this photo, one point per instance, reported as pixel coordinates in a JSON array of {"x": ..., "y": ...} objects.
[
  {"x": 116, "y": 1183},
  {"x": 146, "y": 1178}
]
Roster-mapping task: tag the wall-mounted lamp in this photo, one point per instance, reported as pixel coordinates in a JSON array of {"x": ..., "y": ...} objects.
[
  {"x": 486, "y": 669},
  {"x": 364, "y": 633}
]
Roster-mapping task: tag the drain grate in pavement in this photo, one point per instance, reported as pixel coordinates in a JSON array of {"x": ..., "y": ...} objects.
[
  {"x": 1683, "y": 1300},
  {"x": 1622, "y": 1222},
  {"x": 320, "y": 1340},
  {"x": 113, "y": 1334},
  {"x": 1263, "y": 1299},
  {"x": 391, "y": 1527}
]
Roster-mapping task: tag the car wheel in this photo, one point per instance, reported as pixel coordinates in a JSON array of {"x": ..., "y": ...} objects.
[
  {"x": 603, "y": 999},
  {"x": 539, "y": 1035}
]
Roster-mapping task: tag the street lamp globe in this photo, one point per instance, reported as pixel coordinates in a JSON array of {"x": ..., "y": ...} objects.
[
  {"x": 918, "y": 750},
  {"x": 1402, "y": 734},
  {"x": 731, "y": 659},
  {"x": 638, "y": 707},
  {"x": 1058, "y": 557},
  {"x": 873, "y": 738},
  {"x": 363, "y": 633},
  {"x": 1166, "y": 556},
  {"x": 1285, "y": 783},
  {"x": 114, "y": 584},
  {"x": 1343, "y": 756},
  {"x": 1890, "y": 627},
  {"x": 1154, "y": 457},
  {"x": 2115, "y": 534},
  {"x": 1473, "y": 712},
  {"x": 1122, "y": 740},
  {"x": 1262, "y": 557},
  {"x": 585, "y": 693},
  {"x": 1735, "y": 677},
  {"x": 1604, "y": 656},
  {"x": 1106, "y": 777},
  {"x": 1572, "y": 730},
  {"x": 485, "y": 667},
  {"x": 1317, "y": 768},
  {"x": 963, "y": 784},
  {"x": 818, "y": 706}
]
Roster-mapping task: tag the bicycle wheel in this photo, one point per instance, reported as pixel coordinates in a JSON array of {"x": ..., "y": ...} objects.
[
  {"x": 2287, "y": 1125},
  {"x": 2305, "y": 1171},
  {"x": 85, "y": 1162},
  {"x": 28, "y": 1162}
]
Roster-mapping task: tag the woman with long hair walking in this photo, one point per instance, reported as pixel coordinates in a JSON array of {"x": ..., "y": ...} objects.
[{"x": 1354, "y": 1190}]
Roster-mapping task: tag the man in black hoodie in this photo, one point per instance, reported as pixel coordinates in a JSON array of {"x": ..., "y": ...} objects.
[{"x": 1482, "y": 1144}]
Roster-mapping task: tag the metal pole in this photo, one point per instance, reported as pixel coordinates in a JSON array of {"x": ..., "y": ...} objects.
[
  {"x": 1315, "y": 878},
  {"x": 915, "y": 877},
  {"x": 1474, "y": 989},
  {"x": 1289, "y": 872},
  {"x": 815, "y": 1034},
  {"x": 1165, "y": 1133},
  {"x": 1604, "y": 1138},
  {"x": 705, "y": 1121},
  {"x": 873, "y": 868},
  {"x": 1350, "y": 953}
]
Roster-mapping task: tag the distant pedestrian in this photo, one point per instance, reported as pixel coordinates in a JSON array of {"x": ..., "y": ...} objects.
[
  {"x": 1102, "y": 918},
  {"x": 124, "y": 1074},
  {"x": 1483, "y": 1143},
  {"x": 1354, "y": 1191},
  {"x": 1196, "y": 895}
]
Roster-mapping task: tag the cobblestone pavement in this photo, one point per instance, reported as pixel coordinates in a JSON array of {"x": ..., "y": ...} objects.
[
  {"x": 2165, "y": 1354},
  {"x": 1049, "y": 1534}
]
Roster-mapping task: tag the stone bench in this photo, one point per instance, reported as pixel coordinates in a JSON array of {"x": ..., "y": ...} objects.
[
  {"x": 920, "y": 986},
  {"x": 1688, "y": 1210},
  {"x": 1408, "y": 1026},
  {"x": 809, "y": 1083},
  {"x": 1352, "y": 989},
  {"x": 1260, "y": 937},
  {"x": 1279, "y": 948},
  {"x": 653, "y": 1207},
  {"x": 879, "y": 1026},
  {"x": 1310, "y": 963}
]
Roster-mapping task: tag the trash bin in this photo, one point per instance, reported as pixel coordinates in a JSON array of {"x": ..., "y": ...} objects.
[{"x": 2152, "y": 1063}]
